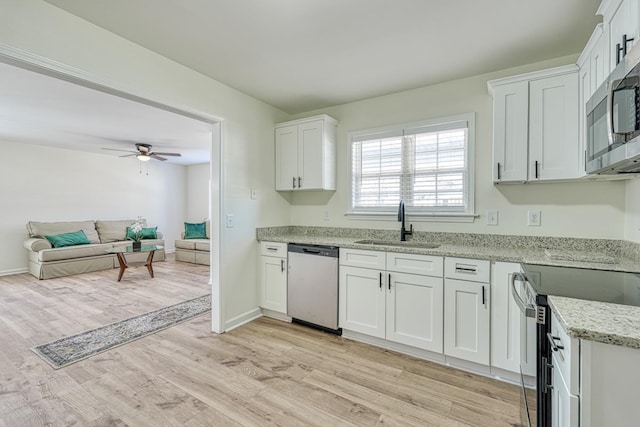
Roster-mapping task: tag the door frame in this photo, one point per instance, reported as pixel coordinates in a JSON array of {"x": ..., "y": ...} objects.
[{"x": 39, "y": 64}]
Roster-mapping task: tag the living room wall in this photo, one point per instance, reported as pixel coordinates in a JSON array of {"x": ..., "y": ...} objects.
[
  {"x": 197, "y": 190},
  {"x": 40, "y": 183}
]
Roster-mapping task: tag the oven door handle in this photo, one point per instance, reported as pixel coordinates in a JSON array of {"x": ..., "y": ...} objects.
[{"x": 527, "y": 310}]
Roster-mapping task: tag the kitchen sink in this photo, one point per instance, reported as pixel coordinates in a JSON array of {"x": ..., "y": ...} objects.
[{"x": 421, "y": 245}]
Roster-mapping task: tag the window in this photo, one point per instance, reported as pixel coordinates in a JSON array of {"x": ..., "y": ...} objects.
[{"x": 427, "y": 165}]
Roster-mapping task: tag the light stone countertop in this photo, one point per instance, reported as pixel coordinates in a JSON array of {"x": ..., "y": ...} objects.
[
  {"x": 528, "y": 256},
  {"x": 598, "y": 321}
]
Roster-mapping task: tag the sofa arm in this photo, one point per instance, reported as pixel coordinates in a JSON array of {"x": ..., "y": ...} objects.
[
  {"x": 36, "y": 245},
  {"x": 160, "y": 235}
]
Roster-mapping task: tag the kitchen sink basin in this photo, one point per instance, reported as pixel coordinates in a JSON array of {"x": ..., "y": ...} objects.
[{"x": 421, "y": 245}]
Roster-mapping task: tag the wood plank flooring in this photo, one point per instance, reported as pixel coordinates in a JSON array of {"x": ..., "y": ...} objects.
[{"x": 264, "y": 373}]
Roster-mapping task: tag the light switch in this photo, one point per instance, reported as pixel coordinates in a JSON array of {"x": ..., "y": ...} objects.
[{"x": 230, "y": 220}]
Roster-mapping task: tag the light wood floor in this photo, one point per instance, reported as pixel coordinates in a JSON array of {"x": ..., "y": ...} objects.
[{"x": 264, "y": 373}]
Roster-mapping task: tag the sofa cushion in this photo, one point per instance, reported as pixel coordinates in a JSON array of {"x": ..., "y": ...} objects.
[
  {"x": 195, "y": 230},
  {"x": 72, "y": 252},
  {"x": 115, "y": 231},
  {"x": 42, "y": 229},
  {"x": 68, "y": 239},
  {"x": 193, "y": 244}
]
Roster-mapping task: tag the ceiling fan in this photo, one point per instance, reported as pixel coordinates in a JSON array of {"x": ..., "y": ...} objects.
[{"x": 144, "y": 154}]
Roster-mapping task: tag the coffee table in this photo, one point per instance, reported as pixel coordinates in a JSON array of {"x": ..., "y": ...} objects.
[{"x": 122, "y": 250}]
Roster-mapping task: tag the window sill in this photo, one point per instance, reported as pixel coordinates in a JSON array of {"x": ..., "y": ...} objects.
[{"x": 385, "y": 216}]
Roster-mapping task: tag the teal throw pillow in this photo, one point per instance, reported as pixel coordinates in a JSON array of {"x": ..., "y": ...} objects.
[
  {"x": 68, "y": 239},
  {"x": 145, "y": 233},
  {"x": 195, "y": 231}
]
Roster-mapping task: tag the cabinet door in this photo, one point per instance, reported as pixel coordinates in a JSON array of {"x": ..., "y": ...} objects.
[
  {"x": 466, "y": 320},
  {"x": 505, "y": 319},
  {"x": 274, "y": 284},
  {"x": 624, "y": 21},
  {"x": 553, "y": 128},
  {"x": 310, "y": 155},
  {"x": 414, "y": 310},
  {"x": 564, "y": 406},
  {"x": 362, "y": 301},
  {"x": 510, "y": 132},
  {"x": 287, "y": 157},
  {"x": 597, "y": 61}
]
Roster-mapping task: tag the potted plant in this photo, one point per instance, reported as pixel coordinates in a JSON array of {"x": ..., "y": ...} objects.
[{"x": 136, "y": 234}]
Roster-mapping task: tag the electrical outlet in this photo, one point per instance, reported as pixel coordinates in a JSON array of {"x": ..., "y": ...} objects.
[
  {"x": 492, "y": 217},
  {"x": 533, "y": 218},
  {"x": 230, "y": 221},
  {"x": 325, "y": 215}
]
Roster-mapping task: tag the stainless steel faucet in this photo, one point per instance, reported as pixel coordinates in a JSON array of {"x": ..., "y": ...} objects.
[{"x": 403, "y": 231}]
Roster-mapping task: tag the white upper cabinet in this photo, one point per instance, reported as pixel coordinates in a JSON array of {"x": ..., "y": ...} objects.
[
  {"x": 306, "y": 154},
  {"x": 535, "y": 126},
  {"x": 621, "y": 23}
]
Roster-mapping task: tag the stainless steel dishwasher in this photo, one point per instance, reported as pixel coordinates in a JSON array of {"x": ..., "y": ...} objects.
[{"x": 312, "y": 286}]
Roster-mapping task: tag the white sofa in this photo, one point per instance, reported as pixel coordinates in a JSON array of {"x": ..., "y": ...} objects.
[
  {"x": 196, "y": 251},
  {"x": 46, "y": 262}
]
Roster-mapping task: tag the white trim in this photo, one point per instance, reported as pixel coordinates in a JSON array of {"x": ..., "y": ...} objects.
[
  {"x": 218, "y": 238},
  {"x": 14, "y": 271},
  {"x": 243, "y": 319},
  {"x": 454, "y": 217},
  {"x": 598, "y": 31},
  {"x": 275, "y": 315},
  {"x": 534, "y": 75}
]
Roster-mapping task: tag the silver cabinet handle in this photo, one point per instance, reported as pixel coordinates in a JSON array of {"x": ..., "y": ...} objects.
[
  {"x": 381, "y": 280},
  {"x": 499, "y": 174},
  {"x": 294, "y": 182},
  {"x": 389, "y": 281},
  {"x": 466, "y": 270},
  {"x": 484, "y": 298},
  {"x": 528, "y": 310},
  {"x": 537, "y": 169},
  {"x": 299, "y": 182},
  {"x": 272, "y": 249},
  {"x": 281, "y": 266}
]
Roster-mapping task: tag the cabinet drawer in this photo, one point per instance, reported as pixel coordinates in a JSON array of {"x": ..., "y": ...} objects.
[
  {"x": 273, "y": 249},
  {"x": 565, "y": 351},
  {"x": 425, "y": 265},
  {"x": 472, "y": 270},
  {"x": 364, "y": 259}
]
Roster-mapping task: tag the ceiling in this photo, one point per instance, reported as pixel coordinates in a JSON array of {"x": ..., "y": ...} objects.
[
  {"x": 301, "y": 55},
  {"x": 38, "y": 109}
]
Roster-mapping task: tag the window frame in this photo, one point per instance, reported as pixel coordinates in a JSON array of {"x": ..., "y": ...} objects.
[{"x": 420, "y": 214}]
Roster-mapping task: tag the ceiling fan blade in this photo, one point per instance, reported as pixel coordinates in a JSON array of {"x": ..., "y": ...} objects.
[
  {"x": 167, "y": 154},
  {"x": 129, "y": 155},
  {"x": 155, "y": 156},
  {"x": 115, "y": 149}
]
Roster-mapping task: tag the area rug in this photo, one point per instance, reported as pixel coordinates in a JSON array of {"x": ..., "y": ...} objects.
[{"x": 68, "y": 350}]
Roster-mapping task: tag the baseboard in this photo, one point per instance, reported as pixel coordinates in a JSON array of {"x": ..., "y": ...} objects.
[
  {"x": 12, "y": 272},
  {"x": 242, "y": 319},
  {"x": 276, "y": 315}
]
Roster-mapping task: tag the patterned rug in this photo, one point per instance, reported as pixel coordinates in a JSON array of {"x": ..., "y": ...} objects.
[{"x": 68, "y": 350}]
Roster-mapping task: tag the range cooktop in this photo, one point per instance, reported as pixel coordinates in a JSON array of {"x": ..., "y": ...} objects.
[{"x": 594, "y": 285}]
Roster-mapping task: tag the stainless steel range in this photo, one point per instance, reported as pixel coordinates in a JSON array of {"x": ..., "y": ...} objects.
[{"x": 530, "y": 290}]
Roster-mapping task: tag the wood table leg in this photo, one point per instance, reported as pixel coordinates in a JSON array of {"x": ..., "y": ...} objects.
[
  {"x": 123, "y": 264},
  {"x": 150, "y": 262}
]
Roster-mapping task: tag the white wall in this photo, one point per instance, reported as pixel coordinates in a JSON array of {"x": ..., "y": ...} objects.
[
  {"x": 589, "y": 209},
  {"x": 40, "y": 183},
  {"x": 44, "y": 30},
  {"x": 197, "y": 188},
  {"x": 632, "y": 220}
]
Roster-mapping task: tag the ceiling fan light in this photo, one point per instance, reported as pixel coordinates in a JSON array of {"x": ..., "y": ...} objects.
[{"x": 143, "y": 157}]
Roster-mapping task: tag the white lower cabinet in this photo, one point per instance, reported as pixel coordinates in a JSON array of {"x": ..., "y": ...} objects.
[
  {"x": 362, "y": 301},
  {"x": 505, "y": 319},
  {"x": 467, "y": 320},
  {"x": 565, "y": 406},
  {"x": 273, "y": 276},
  {"x": 392, "y": 305},
  {"x": 467, "y": 309},
  {"x": 414, "y": 310}
]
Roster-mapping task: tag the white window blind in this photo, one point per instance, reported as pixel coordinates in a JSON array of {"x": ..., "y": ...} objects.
[{"x": 425, "y": 166}]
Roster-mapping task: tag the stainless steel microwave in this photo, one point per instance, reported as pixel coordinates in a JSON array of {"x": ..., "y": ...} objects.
[{"x": 613, "y": 120}]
